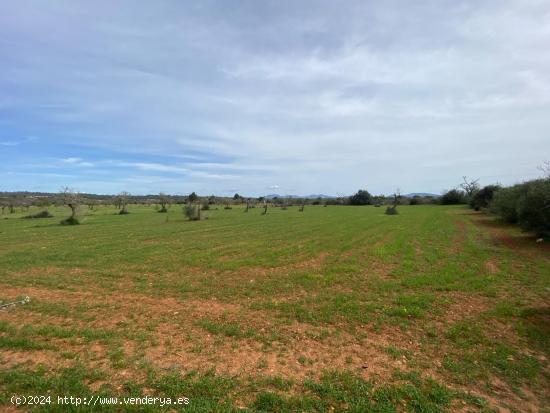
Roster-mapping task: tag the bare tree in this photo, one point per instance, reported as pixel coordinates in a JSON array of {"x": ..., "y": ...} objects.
[
  {"x": 545, "y": 169},
  {"x": 123, "y": 198},
  {"x": 470, "y": 187},
  {"x": 192, "y": 211},
  {"x": 396, "y": 198},
  {"x": 164, "y": 201},
  {"x": 70, "y": 198}
]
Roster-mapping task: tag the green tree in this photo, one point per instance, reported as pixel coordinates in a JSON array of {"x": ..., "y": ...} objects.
[{"x": 362, "y": 197}]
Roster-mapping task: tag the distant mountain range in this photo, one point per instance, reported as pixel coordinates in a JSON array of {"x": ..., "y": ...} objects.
[
  {"x": 413, "y": 194},
  {"x": 312, "y": 196},
  {"x": 323, "y": 196}
]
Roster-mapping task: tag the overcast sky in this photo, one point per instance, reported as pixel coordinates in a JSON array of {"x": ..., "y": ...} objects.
[{"x": 258, "y": 97}]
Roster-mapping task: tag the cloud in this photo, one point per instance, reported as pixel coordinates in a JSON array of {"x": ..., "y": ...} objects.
[
  {"x": 312, "y": 95},
  {"x": 77, "y": 162},
  {"x": 150, "y": 167}
]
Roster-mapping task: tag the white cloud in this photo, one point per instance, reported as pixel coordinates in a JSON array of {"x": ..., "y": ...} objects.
[
  {"x": 318, "y": 98},
  {"x": 144, "y": 166},
  {"x": 77, "y": 162}
]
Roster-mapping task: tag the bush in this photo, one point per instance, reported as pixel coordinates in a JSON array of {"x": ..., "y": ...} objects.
[
  {"x": 453, "y": 197},
  {"x": 483, "y": 197},
  {"x": 391, "y": 210},
  {"x": 527, "y": 204},
  {"x": 413, "y": 200},
  {"x": 504, "y": 203},
  {"x": 228, "y": 207},
  {"x": 191, "y": 212},
  {"x": 123, "y": 212},
  {"x": 205, "y": 206},
  {"x": 533, "y": 207},
  {"x": 42, "y": 214},
  {"x": 70, "y": 221}
]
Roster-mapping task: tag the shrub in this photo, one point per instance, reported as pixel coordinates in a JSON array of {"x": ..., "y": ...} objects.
[
  {"x": 533, "y": 207},
  {"x": 42, "y": 214},
  {"x": 192, "y": 212},
  {"x": 70, "y": 221},
  {"x": 205, "y": 206},
  {"x": 413, "y": 200},
  {"x": 527, "y": 204},
  {"x": 123, "y": 212},
  {"x": 228, "y": 207},
  {"x": 453, "y": 197},
  {"x": 483, "y": 197},
  {"x": 504, "y": 203},
  {"x": 392, "y": 210}
]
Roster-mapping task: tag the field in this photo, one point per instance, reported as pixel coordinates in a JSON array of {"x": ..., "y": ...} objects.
[{"x": 330, "y": 309}]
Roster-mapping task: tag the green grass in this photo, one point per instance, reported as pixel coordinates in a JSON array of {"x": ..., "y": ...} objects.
[
  {"x": 305, "y": 298},
  {"x": 225, "y": 328}
]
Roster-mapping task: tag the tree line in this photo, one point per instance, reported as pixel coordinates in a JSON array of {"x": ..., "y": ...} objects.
[{"x": 526, "y": 204}]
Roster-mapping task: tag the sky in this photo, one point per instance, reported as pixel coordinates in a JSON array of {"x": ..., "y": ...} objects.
[{"x": 261, "y": 97}]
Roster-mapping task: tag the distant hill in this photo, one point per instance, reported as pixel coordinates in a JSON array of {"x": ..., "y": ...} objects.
[
  {"x": 312, "y": 196},
  {"x": 323, "y": 196},
  {"x": 413, "y": 194}
]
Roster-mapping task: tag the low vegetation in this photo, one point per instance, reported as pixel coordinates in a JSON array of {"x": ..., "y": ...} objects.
[{"x": 436, "y": 309}]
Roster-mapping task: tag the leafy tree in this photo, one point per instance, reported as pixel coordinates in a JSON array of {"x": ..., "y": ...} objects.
[
  {"x": 453, "y": 197},
  {"x": 362, "y": 197},
  {"x": 483, "y": 197},
  {"x": 193, "y": 197}
]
